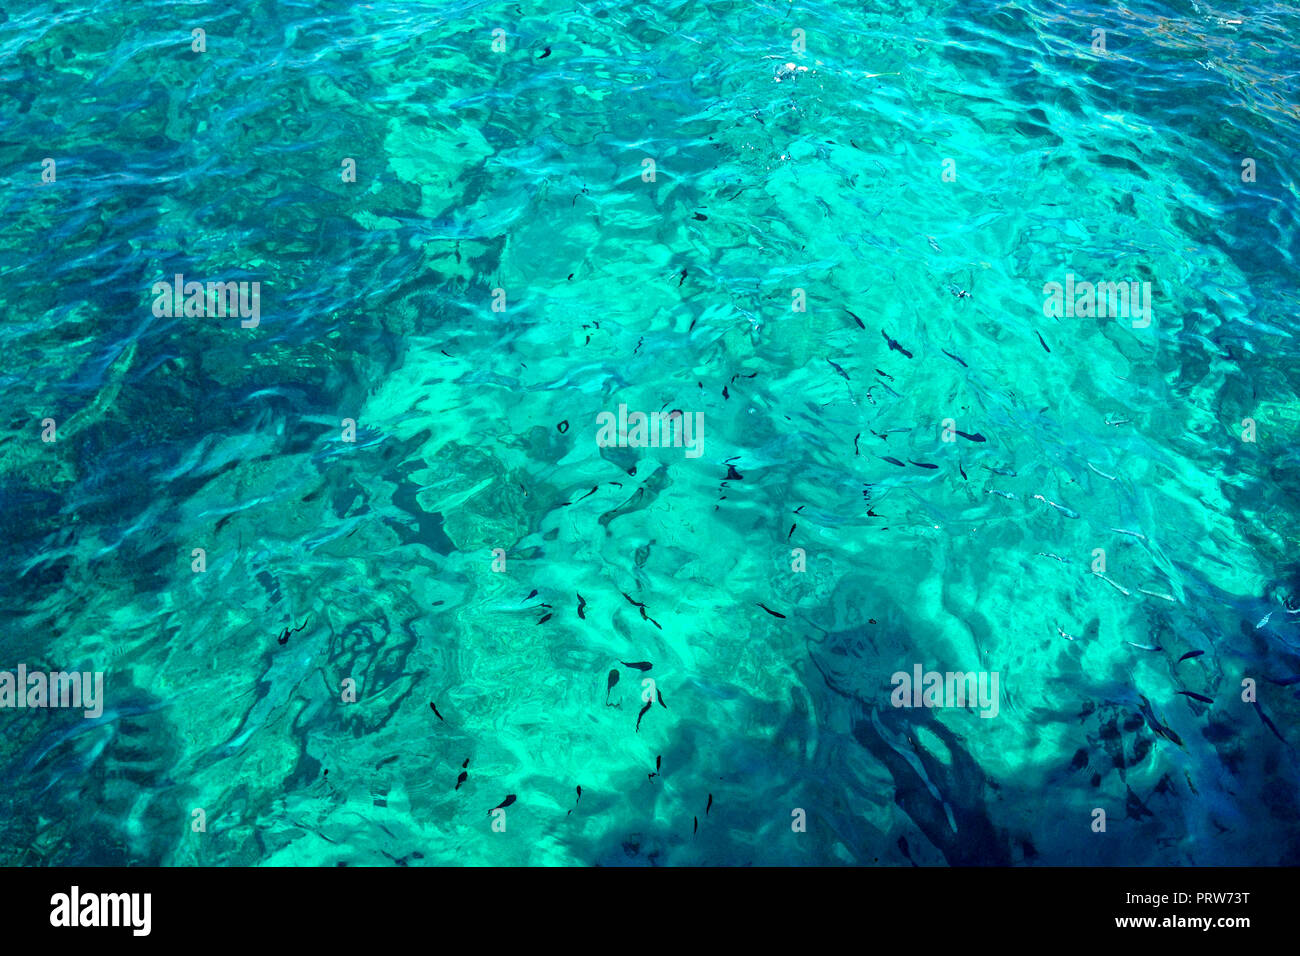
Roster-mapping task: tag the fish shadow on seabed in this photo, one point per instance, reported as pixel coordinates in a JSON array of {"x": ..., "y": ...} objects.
[{"x": 958, "y": 825}]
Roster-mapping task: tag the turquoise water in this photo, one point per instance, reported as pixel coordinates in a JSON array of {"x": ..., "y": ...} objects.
[{"x": 914, "y": 174}]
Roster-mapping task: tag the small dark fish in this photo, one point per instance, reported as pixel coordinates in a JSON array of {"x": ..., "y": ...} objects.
[
  {"x": 724, "y": 392},
  {"x": 1189, "y": 655},
  {"x": 976, "y": 437},
  {"x": 609, "y": 684},
  {"x": 700, "y": 216},
  {"x": 962, "y": 470},
  {"x": 1041, "y": 342},
  {"x": 587, "y": 495},
  {"x": 856, "y": 319},
  {"x": 545, "y": 53},
  {"x": 682, "y": 279},
  {"x": 581, "y": 605},
  {"x": 562, "y": 427},
  {"x": 510, "y": 798},
  {"x": 697, "y": 826},
  {"x": 660, "y": 695},
  {"x": 466, "y": 763},
  {"x": 855, "y": 442},
  {"x": 1268, "y": 723},
  {"x": 461, "y": 779},
  {"x": 638, "y": 665},
  {"x": 710, "y": 804},
  {"x": 284, "y": 635},
  {"x": 954, "y": 358},
  {"x": 839, "y": 369},
  {"x": 771, "y": 612},
  {"x": 1201, "y": 697},
  {"x": 892, "y": 461},
  {"x": 544, "y": 619},
  {"x": 894, "y": 345},
  {"x": 792, "y": 527},
  {"x": 658, "y": 761},
  {"x": 923, "y": 464},
  {"x": 579, "y": 796},
  {"x": 884, "y": 375},
  {"x": 434, "y": 707},
  {"x": 642, "y": 714},
  {"x": 531, "y": 594}
]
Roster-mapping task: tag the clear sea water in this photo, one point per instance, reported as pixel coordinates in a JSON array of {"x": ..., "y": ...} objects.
[{"x": 920, "y": 171}]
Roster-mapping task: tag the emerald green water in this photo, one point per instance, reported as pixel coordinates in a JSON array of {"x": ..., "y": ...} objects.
[{"x": 476, "y": 430}]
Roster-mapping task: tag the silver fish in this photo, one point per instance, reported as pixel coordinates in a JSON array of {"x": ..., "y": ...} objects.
[
  {"x": 1112, "y": 584},
  {"x": 1068, "y": 512}
]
